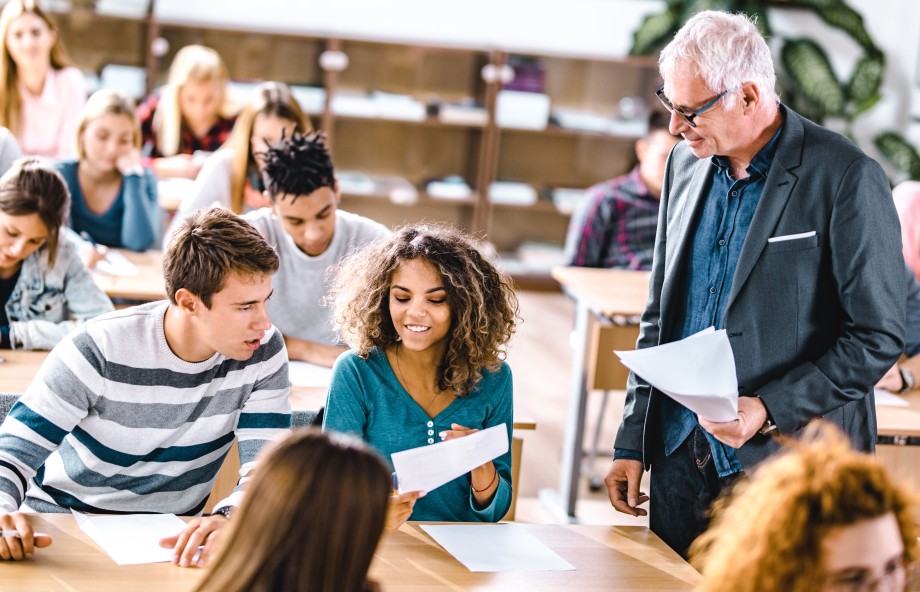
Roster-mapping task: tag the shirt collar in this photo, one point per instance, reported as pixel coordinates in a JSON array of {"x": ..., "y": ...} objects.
[{"x": 760, "y": 164}]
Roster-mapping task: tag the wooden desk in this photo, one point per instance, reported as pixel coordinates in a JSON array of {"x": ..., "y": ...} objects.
[
  {"x": 146, "y": 286},
  {"x": 901, "y": 427},
  {"x": 605, "y": 557},
  {"x": 600, "y": 294},
  {"x": 20, "y": 367}
]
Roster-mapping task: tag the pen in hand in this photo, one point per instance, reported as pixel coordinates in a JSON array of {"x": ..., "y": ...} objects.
[
  {"x": 15, "y": 533},
  {"x": 97, "y": 252}
]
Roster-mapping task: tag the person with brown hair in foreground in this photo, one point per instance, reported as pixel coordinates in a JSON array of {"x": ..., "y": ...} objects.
[{"x": 311, "y": 519}]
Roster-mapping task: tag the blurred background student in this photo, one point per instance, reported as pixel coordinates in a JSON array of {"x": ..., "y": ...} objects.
[
  {"x": 615, "y": 225},
  {"x": 427, "y": 318},
  {"x": 190, "y": 113},
  {"x": 113, "y": 197},
  {"x": 232, "y": 176},
  {"x": 45, "y": 289},
  {"x": 310, "y": 521},
  {"x": 819, "y": 517},
  {"x": 40, "y": 95}
]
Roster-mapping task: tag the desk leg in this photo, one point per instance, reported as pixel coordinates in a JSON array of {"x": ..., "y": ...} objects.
[{"x": 570, "y": 470}]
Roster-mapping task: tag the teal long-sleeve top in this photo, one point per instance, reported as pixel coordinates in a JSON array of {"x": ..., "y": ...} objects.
[
  {"x": 133, "y": 219},
  {"x": 366, "y": 399}
]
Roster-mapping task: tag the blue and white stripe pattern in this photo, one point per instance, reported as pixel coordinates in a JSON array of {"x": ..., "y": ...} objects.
[{"x": 115, "y": 422}]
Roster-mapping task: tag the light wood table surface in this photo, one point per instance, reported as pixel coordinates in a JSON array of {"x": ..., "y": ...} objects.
[
  {"x": 18, "y": 369},
  {"x": 146, "y": 286},
  {"x": 606, "y": 558}
]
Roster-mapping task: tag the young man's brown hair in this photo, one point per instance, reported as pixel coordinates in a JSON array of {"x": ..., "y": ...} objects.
[{"x": 208, "y": 246}]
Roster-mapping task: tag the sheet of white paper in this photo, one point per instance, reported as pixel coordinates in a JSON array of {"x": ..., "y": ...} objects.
[
  {"x": 698, "y": 372},
  {"x": 885, "y": 399},
  {"x": 131, "y": 539},
  {"x": 496, "y": 547},
  {"x": 428, "y": 467},
  {"x": 308, "y": 375},
  {"x": 116, "y": 264}
]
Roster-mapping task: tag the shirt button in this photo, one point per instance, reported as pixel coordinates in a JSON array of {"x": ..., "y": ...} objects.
[
  {"x": 431, "y": 440},
  {"x": 712, "y": 290},
  {"x": 431, "y": 432},
  {"x": 722, "y": 242},
  {"x": 734, "y": 194},
  {"x": 430, "y": 424}
]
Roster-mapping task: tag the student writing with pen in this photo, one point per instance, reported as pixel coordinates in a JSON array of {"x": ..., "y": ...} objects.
[
  {"x": 113, "y": 197},
  {"x": 427, "y": 318}
]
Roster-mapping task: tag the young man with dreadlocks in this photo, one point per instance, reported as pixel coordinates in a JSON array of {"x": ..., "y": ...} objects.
[{"x": 310, "y": 234}]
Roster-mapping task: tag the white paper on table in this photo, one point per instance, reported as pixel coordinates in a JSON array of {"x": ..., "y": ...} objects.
[
  {"x": 698, "y": 372},
  {"x": 116, "y": 263},
  {"x": 885, "y": 399},
  {"x": 496, "y": 547},
  {"x": 131, "y": 539},
  {"x": 428, "y": 467},
  {"x": 308, "y": 375}
]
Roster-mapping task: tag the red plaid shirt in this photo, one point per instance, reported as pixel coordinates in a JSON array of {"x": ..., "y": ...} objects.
[{"x": 188, "y": 141}]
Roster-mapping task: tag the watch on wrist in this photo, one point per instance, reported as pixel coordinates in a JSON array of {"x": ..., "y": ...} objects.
[
  {"x": 767, "y": 427},
  {"x": 225, "y": 512},
  {"x": 907, "y": 380}
]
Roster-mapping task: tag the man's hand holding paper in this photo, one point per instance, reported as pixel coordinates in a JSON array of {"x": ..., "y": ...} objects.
[{"x": 698, "y": 372}]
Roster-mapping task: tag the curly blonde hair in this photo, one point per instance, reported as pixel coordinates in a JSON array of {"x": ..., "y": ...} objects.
[
  {"x": 484, "y": 308},
  {"x": 767, "y": 534}
]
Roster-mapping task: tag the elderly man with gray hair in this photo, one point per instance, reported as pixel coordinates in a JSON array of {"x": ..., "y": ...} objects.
[{"x": 780, "y": 232}]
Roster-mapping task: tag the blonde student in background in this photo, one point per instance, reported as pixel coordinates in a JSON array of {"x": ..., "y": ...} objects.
[
  {"x": 190, "y": 114},
  {"x": 113, "y": 197},
  {"x": 232, "y": 176},
  {"x": 311, "y": 235},
  {"x": 427, "y": 318},
  {"x": 40, "y": 94},
  {"x": 310, "y": 520},
  {"x": 816, "y": 517},
  {"x": 45, "y": 289}
]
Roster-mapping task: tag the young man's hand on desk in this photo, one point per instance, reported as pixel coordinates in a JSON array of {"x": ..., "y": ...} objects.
[
  {"x": 19, "y": 541},
  {"x": 201, "y": 534}
]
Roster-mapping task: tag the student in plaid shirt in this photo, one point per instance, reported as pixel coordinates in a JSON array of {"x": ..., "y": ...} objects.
[{"x": 615, "y": 225}]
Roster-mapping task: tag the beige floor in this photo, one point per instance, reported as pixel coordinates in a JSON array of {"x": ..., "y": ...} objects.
[{"x": 540, "y": 357}]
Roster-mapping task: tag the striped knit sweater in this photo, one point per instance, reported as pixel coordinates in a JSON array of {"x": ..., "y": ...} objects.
[{"x": 115, "y": 422}]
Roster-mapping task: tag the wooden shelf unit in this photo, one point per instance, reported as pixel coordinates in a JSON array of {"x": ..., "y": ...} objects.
[{"x": 416, "y": 150}]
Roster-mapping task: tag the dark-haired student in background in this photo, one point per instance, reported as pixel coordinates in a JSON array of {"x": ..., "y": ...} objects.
[
  {"x": 615, "y": 225},
  {"x": 311, "y": 234}
]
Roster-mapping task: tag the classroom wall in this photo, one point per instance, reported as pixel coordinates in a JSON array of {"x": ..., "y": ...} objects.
[{"x": 895, "y": 27}]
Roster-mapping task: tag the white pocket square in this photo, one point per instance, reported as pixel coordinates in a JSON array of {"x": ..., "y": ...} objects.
[{"x": 788, "y": 237}]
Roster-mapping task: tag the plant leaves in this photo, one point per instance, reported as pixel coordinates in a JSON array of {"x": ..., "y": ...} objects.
[
  {"x": 845, "y": 18},
  {"x": 653, "y": 31},
  {"x": 899, "y": 153},
  {"x": 808, "y": 66},
  {"x": 866, "y": 81}
]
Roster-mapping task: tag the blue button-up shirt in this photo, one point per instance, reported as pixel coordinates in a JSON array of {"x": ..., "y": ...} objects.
[{"x": 726, "y": 217}]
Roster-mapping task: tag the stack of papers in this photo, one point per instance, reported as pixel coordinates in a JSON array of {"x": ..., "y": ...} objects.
[
  {"x": 885, "y": 399},
  {"x": 698, "y": 372}
]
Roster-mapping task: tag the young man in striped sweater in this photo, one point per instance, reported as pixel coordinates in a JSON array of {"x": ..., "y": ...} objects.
[{"x": 135, "y": 411}]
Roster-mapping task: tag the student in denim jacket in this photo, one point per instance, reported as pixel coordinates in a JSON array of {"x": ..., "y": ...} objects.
[{"x": 46, "y": 289}]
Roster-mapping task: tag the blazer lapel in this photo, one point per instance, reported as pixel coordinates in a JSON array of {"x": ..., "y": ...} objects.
[
  {"x": 685, "y": 203},
  {"x": 776, "y": 192}
]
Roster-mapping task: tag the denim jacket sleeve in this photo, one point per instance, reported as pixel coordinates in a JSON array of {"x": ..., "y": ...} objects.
[{"x": 53, "y": 301}]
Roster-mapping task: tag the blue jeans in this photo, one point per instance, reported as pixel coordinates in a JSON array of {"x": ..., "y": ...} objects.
[{"x": 683, "y": 487}]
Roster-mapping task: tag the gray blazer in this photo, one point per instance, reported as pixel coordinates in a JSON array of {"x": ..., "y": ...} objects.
[{"x": 814, "y": 321}]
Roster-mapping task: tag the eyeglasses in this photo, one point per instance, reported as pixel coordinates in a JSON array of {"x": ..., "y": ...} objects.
[
  {"x": 891, "y": 580},
  {"x": 688, "y": 117}
]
